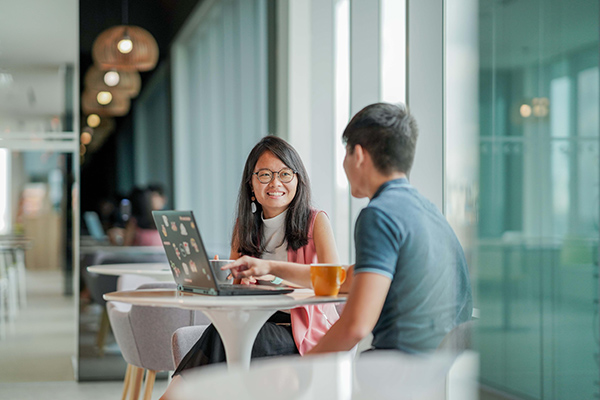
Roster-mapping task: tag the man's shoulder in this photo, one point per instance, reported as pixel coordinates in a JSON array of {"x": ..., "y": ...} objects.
[{"x": 396, "y": 202}]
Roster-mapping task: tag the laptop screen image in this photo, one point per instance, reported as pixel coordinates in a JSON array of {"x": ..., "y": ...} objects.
[
  {"x": 94, "y": 226},
  {"x": 188, "y": 259}
]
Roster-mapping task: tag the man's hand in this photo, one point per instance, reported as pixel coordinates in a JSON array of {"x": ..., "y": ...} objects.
[{"x": 246, "y": 267}]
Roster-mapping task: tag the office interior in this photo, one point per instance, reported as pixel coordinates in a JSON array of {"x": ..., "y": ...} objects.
[{"x": 506, "y": 94}]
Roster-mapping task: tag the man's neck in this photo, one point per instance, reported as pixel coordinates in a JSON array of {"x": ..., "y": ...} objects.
[{"x": 378, "y": 179}]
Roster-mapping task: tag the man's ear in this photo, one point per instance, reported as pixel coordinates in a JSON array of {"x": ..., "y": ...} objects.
[{"x": 359, "y": 154}]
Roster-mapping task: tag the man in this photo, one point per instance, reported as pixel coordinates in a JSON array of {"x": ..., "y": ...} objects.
[{"x": 410, "y": 284}]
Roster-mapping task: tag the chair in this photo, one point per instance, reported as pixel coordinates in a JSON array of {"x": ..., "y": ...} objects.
[
  {"x": 144, "y": 337},
  {"x": 183, "y": 339},
  {"x": 458, "y": 339},
  {"x": 4, "y": 300},
  {"x": 10, "y": 285},
  {"x": 98, "y": 284},
  {"x": 462, "y": 376}
]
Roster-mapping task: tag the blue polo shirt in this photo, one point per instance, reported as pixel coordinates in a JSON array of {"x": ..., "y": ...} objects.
[{"x": 403, "y": 236}]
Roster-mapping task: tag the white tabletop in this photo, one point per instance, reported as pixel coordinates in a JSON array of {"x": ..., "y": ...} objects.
[
  {"x": 174, "y": 298},
  {"x": 375, "y": 375},
  {"x": 238, "y": 319},
  {"x": 155, "y": 270},
  {"x": 121, "y": 249}
]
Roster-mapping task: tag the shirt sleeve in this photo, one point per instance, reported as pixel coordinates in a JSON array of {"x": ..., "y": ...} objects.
[{"x": 377, "y": 241}]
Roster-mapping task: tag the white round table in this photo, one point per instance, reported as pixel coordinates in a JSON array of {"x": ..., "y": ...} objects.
[
  {"x": 158, "y": 271},
  {"x": 237, "y": 318}
]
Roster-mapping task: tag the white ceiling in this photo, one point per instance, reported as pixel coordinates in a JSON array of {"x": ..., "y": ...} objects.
[
  {"x": 35, "y": 32},
  {"x": 38, "y": 38}
]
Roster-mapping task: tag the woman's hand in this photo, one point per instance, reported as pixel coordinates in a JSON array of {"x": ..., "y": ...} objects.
[{"x": 246, "y": 267}]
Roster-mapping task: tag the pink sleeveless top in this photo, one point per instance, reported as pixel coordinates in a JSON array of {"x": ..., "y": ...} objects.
[
  {"x": 147, "y": 237},
  {"x": 310, "y": 323}
]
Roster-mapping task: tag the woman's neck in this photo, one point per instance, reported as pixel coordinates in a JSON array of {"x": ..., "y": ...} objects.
[{"x": 268, "y": 214}]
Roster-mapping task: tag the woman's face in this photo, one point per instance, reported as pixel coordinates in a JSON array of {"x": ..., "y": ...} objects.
[{"x": 274, "y": 197}]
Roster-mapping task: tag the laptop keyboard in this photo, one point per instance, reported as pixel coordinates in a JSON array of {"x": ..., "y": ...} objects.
[
  {"x": 246, "y": 288},
  {"x": 229, "y": 286}
]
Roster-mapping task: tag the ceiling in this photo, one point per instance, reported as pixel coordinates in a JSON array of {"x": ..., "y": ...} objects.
[
  {"x": 38, "y": 33},
  {"x": 38, "y": 39}
]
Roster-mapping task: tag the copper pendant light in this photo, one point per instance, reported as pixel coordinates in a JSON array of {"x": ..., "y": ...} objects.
[
  {"x": 125, "y": 82},
  {"x": 142, "y": 54},
  {"x": 125, "y": 47},
  {"x": 104, "y": 103}
]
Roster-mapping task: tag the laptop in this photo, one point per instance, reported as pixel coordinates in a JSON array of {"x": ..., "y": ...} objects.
[
  {"x": 94, "y": 226},
  {"x": 189, "y": 263}
]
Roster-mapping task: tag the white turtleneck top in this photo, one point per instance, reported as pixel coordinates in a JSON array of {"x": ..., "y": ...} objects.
[{"x": 274, "y": 238}]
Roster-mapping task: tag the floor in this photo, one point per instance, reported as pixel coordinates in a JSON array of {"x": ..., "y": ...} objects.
[
  {"x": 36, "y": 357},
  {"x": 40, "y": 344},
  {"x": 70, "y": 390}
]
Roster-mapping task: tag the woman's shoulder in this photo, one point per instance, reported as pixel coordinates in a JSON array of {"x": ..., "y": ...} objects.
[{"x": 316, "y": 216}]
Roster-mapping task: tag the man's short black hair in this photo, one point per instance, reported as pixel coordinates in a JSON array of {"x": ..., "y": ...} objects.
[{"x": 388, "y": 132}]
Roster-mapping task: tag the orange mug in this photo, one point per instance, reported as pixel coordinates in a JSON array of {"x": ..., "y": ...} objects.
[{"x": 326, "y": 279}]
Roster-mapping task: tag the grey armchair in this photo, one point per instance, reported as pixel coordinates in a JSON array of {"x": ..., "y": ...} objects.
[{"x": 144, "y": 337}]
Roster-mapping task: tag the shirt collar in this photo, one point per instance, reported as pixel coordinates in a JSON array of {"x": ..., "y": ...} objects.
[
  {"x": 275, "y": 221},
  {"x": 392, "y": 183}
]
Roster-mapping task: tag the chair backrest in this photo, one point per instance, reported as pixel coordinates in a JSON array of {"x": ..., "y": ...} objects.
[
  {"x": 153, "y": 328},
  {"x": 98, "y": 284},
  {"x": 458, "y": 339}
]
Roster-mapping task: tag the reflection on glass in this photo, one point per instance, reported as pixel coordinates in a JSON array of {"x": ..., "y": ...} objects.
[{"x": 536, "y": 253}]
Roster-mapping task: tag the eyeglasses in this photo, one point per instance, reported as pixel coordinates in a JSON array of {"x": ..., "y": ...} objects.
[{"x": 265, "y": 175}]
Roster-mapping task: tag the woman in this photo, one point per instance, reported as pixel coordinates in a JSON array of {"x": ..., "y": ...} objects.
[
  {"x": 140, "y": 229},
  {"x": 275, "y": 222}
]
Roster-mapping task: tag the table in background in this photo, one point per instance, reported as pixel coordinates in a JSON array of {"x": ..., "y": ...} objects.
[{"x": 158, "y": 271}]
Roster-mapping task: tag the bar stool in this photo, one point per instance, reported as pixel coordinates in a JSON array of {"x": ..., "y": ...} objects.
[{"x": 9, "y": 273}]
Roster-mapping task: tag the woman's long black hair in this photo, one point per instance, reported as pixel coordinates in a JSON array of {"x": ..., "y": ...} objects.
[{"x": 249, "y": 227}]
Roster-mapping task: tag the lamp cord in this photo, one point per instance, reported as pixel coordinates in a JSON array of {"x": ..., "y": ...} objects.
[{"x": 125, "y": 12}]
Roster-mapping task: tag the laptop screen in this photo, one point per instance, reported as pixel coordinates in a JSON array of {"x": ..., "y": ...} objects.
[
  {"x": 184, "y": 248},
  {"x": 94, "y": 226}
]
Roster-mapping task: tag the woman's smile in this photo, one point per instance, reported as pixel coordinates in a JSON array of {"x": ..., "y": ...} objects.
[{"x": 275, "y": 196}]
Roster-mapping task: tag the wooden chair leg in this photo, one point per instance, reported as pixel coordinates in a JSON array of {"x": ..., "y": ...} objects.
[
  {"x": 126, "y": 382},
  {"x": 137, "y": 376},
  {"x": 150, "y": 377},
  {"x": 103, "y": 331}
]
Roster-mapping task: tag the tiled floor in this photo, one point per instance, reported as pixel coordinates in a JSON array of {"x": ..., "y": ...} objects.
[
  {"x": 36, "y": 356},
  {"x": 70, "y": 390},
  {"x": 41, "y": 344}
]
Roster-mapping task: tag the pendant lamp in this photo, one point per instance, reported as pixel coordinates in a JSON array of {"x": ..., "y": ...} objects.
[
  {"x": 125, "y": 47},
  {"x": 124, "y": 82},
  {"x": 104, "y": 103}
]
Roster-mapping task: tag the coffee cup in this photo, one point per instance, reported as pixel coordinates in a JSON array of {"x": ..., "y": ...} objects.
[
  {"x": 326, "y": 279},
  {"x": 219, "y": 274}
]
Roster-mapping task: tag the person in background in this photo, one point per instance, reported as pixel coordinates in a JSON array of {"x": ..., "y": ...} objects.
[
  {"x": 158, "y": 196},
  {"x": 140, "y": 229},
  {"x": 410, "y": 284},
  {"x": 275, "y": 221},
  {"x": 107, "y": 212}
]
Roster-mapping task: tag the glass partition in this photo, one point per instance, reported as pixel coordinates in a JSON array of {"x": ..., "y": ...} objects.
[
  {"x": 534, "y": 68},
  {"x": 39, "y": 181}
]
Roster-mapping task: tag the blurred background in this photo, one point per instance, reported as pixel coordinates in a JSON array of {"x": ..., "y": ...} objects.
[{"x": 94, "y": 133}]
